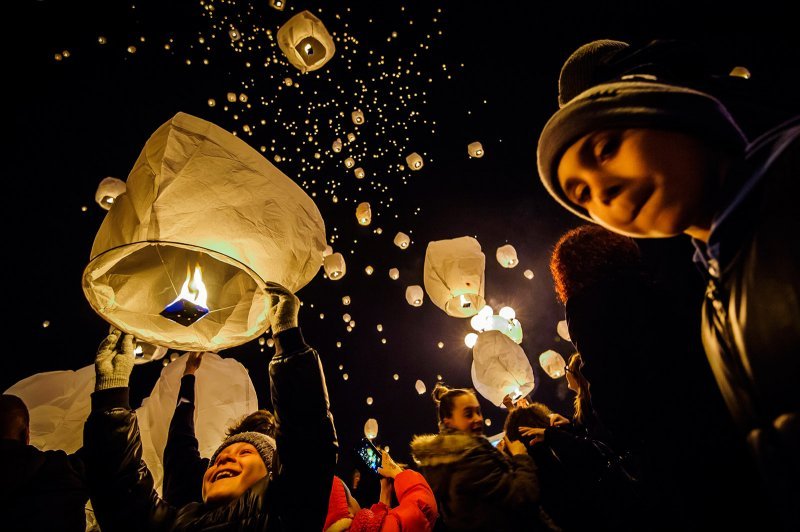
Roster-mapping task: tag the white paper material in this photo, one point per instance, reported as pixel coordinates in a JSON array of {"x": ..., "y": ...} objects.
[
  {"x": 454, "y": 276},
  {"x": 295, "y": 31},
  {"x": 500, "y": 367}
]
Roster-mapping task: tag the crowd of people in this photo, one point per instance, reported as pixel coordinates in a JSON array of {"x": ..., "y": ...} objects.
[{"x": 644, "y": 145}]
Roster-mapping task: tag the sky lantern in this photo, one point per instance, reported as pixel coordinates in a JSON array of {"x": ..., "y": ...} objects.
[
  {"x": 528, "y": 274},
  {"x": 454, "y": 275},
  {"x": 402, "y": 240},
  {"x": 371, "y": 428},
  {"x": 359, "y": 173},
  {"x": 335, "y": 267},
  {"x": 358, "y": 117},
  {"x": 475, "y": 149},
  {"x": 337, "y": 145},
  {"x": 419, "y": 386},
  {"x": 500, "y": 367},
  {"x": 394, "y": 274},
  {"x": 349, "y": 162},
  {"x": 108, "y": 190},
  {"x": 163, "y": 266},
  {"x": 346, "y": 300},
  {"x": 351, "y": 137},
  {"x": 305, "y": 42},
  {"x": 414, "y": 161},
  {"x": 552, "y": 363},
  {"x": 414, "y": 295},
  {"x": 144, "y": 352},
  {"x": 506, "y": 322},
  {"x": 507, "y": 256},
  {"x": 563, "y": 330},
  {"x": 364, "y": 213},
  {"x": 277, "y": 4}
]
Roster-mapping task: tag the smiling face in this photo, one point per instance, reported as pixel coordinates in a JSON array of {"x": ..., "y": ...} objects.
[
  {"x": 466, "y": 415},
  {"x": 236, "y": 468},
  {"x": 642, "y": 182}
]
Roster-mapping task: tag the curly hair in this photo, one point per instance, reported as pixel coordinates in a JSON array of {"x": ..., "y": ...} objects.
[
  {"x": 259, "y": 421},
  {"x": 534, "y": 415},
  {"x": 589, "y": 254}
]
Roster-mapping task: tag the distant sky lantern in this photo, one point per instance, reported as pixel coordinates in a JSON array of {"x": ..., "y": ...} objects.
[
  {"x": 346, "y": 300},
  {"x": 349, "y": 162},
  {"x": 335, "y": 267},
  {"x": 364, "y": 213},
  {"x": 234, "y": 34},
  {"x": 231, "y": 96},
  {"x": 394, "y": 274},
  {"x": 277, "y": 4},
  {"x": 176, "y": 215},
  {"x": 528, "y": 274},
  {"x": 346, "y": 318},
  {"x": 288, "y": 82},
  {"x": 454, "y": 275},
  {"x": 371, "y": 428},
  {"x": 359, "y": 172},
  {"x": 402, "y": 240},
  {"x": 470, "y": 339},
  {"x": 500, "y": 367},
  {"x": 358, "y": 117},
  {"x": 337, "y": 145},
  {"x": 419, "y": 386},
  {"x": 108, "y": 190},
  {"x": 369, "y": 270},
  {"x": 414, "y": 161},
  {"x": 475, "y": 149},
  {"x": 507, "y": 256},
  {"x": 414, "y": 295},
  {"x": 563, "y": 330},
  {"x": 305, "y": 42},
  {"x": 552, "y": 363}
]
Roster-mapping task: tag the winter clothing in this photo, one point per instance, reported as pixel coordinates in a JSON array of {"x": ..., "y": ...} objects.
[
  {"x": 293, "y": 497},
  {"x": 263, "y": 444},
  {"x": 338, "y": 509},
  {"x": 112, "y": 367},
  {"x": 284, "y": 309}
]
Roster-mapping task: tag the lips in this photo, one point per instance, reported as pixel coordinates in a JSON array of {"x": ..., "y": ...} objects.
[{"x": 225, "y": 473}]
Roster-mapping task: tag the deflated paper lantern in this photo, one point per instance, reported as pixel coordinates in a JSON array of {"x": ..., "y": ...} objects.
[
  {"x": 108, "y": 190},
  {"x": 335, "y": 267},
  {"x": 402, "y": 240},
  {"x": 414, "y": 295},
  {"x": 500, "y": 367},
  {"x": 358, "y": 117},
  {"x": 419, "y": 386},
  {"x": 305, "y": 42},
  {"x": 552, "y": 363},
  {"x": 414, "y": 161},
  {"x": 364, "y": 213},
  {"x": 454, "y": 274},
  {"x": 507, "y": 256},
  {"x": 475, "y": 149},
  {"x": 371, "y": 428},
  {"x": 183, "y": 257}
]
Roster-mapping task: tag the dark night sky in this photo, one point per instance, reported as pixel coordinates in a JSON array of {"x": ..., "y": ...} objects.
[{"x": 86, "y": 117}]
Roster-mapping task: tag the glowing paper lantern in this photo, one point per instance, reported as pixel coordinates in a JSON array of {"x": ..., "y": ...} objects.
[
  {"x": 277, "y": 4},
  {"x": 563, "y": 330},
  {"x": 369, "y": 270},
  {"x": 470, "y": 339},
  {"x": 475, "y": 149},
  {"x": 364, "y": 213},
  {"x": 500, "y": 367},
  {"x": 346, "y": 300},
  {"x": 108, "y": 190},
  {"x": 359, "y": 172},
  {"x": 414, "y": 161},
  {"x": 172, "y": 230},
  {"x": 402, "y": 240},
  {"x": 145, "y": 352},
  {"x": 358, "y": 117},
  {"x": 528, "y": 274},
  {"x": 346, "y": 318},
  {"x": 507, "y": 256},
  {"x": 335, "y": 267},
  {"x": 507, "y": 313},
  {"x": 349, "y": 162},
  {"x": 419, "y": 386},
  {"x": 371, "y": 428},
  {"x": 414, "y": 295},
  {"x": 552, "y": 363},
  {"x": 337, "y": 145},
  {"x": 454, "y": 275},
  {"x": 351, "y": 137},
  {"x": 305, "y": 42},
  {"x": 394, "y": 274}
]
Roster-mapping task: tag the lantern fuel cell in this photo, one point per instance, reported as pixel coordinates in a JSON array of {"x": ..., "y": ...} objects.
[{"x": 184, "y": 312}]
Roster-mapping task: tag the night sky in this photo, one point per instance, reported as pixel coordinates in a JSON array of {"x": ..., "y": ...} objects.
[{"x": 431, "y": 77}]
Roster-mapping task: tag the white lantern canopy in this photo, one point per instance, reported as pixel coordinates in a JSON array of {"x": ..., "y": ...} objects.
[
  {"x": 500, "y": 367},
  {"x": 563, "y": 330},
  {"x": 394, "y": 274},
  {"x": 371, "y": 428},
  {"x": 414, "y": 161},
  {"x": 305, "y": 42},
  {"x": 414, "y": 295},
  {"x": 359, "y": 173},
  {"x": 475, "y": 149},
  {"x": 419, "y": 386},
  {"x": 337, "y": 145},
  {"x": 507, "y": 256},
  {"x": 335, "y": 267},
  {"x": 364, "y": 213},
  {"x": 108, "y": 190},
  {"x": 172, "y": 230},
  {"x": 349, "y": 162},
  {"x": 454, "y": 275},
  {"x": 358, "y": 117},
  {"x": 351, "y": 137},
  {"x": 552, "y": 363},
  {"x": 402, "y": 240}
]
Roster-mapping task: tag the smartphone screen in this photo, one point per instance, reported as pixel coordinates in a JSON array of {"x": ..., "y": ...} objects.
[{"x": 369, "y": 454}]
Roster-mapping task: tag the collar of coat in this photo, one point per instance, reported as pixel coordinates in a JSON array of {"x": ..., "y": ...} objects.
[{"x": 443, "y": 448}]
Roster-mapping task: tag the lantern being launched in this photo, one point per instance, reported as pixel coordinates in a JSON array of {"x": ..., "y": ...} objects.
[
  {"x": 108, "y": 190},
  {"x": 305, "y": 42},
  {"x": 180, "y": 211},
  {"x": 454, "y": 275},
  {"x": 500, "y": 368}
]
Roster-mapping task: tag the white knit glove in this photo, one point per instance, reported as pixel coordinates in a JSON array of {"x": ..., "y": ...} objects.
[
  {"x": 284, "y": 307},
  {"x": 114, "y": 362}
]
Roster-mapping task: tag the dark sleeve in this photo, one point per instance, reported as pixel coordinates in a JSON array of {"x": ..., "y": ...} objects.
[
  {"x": 120, "y": 485},
  {"x": 183, "y": 466},
  {"x": 512, "y": 486},
  {"x": 305, "y": 435}
]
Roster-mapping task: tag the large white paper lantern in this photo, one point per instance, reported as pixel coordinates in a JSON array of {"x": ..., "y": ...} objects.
[
  {"x": 454, "y": 275},
  {"x": 402, "y": 240},
  {"x": 335, "y": 267},
  {"x": 475, "y": 149},
  {"x": 500, "y": 367},
  {"x": 305, "y": 42},
  {"x": 507, "y": 256},
  {"x": 184, "y": 215},
  {"x": 358, "y": 117},
  {"x": 419, "y": 386},
  {"x": 414, "y": 295},
  {"x": 414, "y": 161},
  {"x": 108, "y": 190},
  {"x": 552, "y": 363},
  {"x": 364, "y": 213},
  {"x": 371, "y": 428}
]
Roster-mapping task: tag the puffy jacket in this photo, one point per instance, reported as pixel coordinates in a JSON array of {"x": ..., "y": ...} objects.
[
  {"x": 415, "y": 511},
  {"x": 294, "y": 496}
]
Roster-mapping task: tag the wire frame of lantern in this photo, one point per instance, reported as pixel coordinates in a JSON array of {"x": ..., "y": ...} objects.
[
  {"x": 419, "y": 386},
  {"x": 415, "y": 295},
  {"x": 475, "y": 149},
  {"x": 335, "y": 267},
  {"x": 500, "y": 367},
  {"x": 553, "y": 364},
  {"x": 305, "y": 42},
  {"x": 108, "y": 190},
  {"x": 337, "y": 145},
  {"x": 371, "y": 428},
  {"x": 454, "y": 276},
  {"x": 414, "y": 161},
  {"x": 507, "y": 256},
  {"x": 349, "y": 162},
  {"x": 394, "y": 274},
  {"x": 402, "y": 240},
  {"x": 364, "y": 213},
  {"x": 358, "y": 117}
]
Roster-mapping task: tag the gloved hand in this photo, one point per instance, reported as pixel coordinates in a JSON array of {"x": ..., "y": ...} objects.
[
  {"x": 114, "y": 361},
  {"x": 284, "y": 307}
]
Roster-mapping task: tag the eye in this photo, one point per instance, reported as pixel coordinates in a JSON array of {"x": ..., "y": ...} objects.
[
  {"x": 581, "y": 193},
  {"x": 606, "y": 146}
]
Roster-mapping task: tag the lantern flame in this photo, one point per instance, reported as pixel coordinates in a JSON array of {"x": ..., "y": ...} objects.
[{"x": 193, "y": 289}]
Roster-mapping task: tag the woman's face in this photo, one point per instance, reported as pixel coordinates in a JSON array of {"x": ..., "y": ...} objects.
[
  {"x": 640, "y": 182},
  {"x": 466, "y": 415},
  {"x": 237, "y": 467}
]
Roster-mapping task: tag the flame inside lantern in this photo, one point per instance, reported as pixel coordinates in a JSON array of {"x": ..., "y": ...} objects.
[{"x": 191, "y": 303}]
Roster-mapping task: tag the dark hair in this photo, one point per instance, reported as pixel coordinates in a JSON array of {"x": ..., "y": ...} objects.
[
  {"x": 589, "y": 254},
  {"x": 534, "y": 415},
  {"x": 259, "y": 421},
  {"x": 444, "y": 397},
  {"x": 14, "y": 418}
]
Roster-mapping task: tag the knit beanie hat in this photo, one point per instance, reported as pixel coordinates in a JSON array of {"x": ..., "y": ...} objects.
[
  {"x": 604, "y": 86},
  {"x": 338, "y": 508},
  {"x": 263, "y": 444}
]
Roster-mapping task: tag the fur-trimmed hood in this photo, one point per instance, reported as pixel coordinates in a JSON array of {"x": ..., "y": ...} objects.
[{"x": 445, "y": 448}]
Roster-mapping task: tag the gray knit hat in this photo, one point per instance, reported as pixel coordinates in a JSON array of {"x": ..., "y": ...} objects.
[
  {"x": 630, "y": 100},
  {"x": 263, "y": 444}
]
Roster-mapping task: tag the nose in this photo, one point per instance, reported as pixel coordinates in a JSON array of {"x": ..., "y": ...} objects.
[
  {"x": 608, "y": 192},
  {"x": 225, "y": 457}
]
